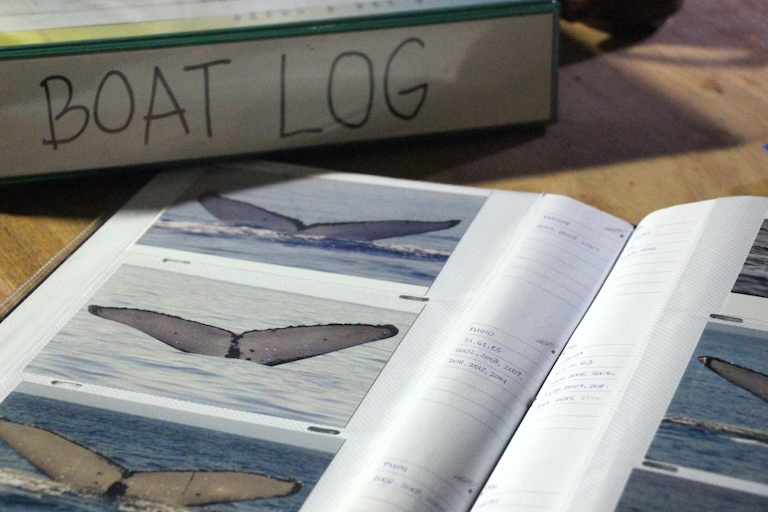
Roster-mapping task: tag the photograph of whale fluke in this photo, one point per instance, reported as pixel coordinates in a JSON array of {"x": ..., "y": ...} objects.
[
  {"x": 750, "y": 380},
  {"x": 69, "y": 462},
  {"x": 269, "y": 347},
  {"x": 239, "y": 213}
]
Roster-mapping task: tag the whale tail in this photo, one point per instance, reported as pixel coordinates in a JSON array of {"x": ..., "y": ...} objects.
[
  {"x": 67, "y": 461},
  {"x": 239, "y": 213},
  {"x": 376, "y": 230},
  {"x": 269, "y": 347},
  {"x": 750, "y": 380}
]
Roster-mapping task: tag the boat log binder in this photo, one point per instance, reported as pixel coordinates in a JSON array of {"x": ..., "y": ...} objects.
[{"x": 116, "y": 86}]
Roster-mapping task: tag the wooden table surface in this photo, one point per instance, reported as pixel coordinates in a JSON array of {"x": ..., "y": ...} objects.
[{"x": 679, "y": 116}]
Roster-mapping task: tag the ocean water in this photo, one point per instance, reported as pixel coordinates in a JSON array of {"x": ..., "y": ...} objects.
[
  {"x": 710, "y": 425},
  {"x": 139, "y": 443},
  {"x": 753, "y": 278},
  {"x": 414, "y": 259},
  {"x": 325, "y": 389},
  {"x": 653, "y": 492},
  {"x": 407, "y": 264}
]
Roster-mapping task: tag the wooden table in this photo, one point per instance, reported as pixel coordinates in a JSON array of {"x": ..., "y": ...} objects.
[{"x": 676, "y": 117}]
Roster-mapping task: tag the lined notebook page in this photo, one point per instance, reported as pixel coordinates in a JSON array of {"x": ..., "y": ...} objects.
[
  {"x": 458, "y": 426},
  {"x": 548, "y": 448}
]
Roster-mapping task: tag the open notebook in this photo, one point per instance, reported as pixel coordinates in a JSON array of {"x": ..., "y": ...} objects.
[{"x": 260, "y": 336}]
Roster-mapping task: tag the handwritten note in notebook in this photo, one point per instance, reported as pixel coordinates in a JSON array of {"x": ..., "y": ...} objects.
[
  {"x": 493, "y": 370},
  {"x": 578, "y": 392}
]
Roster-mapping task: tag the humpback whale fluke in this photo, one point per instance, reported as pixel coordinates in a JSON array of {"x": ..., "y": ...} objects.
[
  {"x": 67, "y": 461},
  {"x": 268, "y": 346},
  {"x": 239, "y": 213},
  {"x": 750, "y": 380}
]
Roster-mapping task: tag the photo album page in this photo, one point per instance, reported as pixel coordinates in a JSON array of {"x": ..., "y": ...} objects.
[
  {"x": 267, "y": 337},
  {"x": 241, "y": 337}
]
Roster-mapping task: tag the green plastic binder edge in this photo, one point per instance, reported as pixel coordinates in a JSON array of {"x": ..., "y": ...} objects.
[{"x": 297, "y": 29}]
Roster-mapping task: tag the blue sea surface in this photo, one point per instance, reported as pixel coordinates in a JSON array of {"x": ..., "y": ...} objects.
[
  {"x": 714, "y": 425},
  {"x": 711, "y": 425},
  {"x": 654, "y": 492},
  {"x": 414, "y": 259},
  {"x": 139, "y": 443},
  {"x": 753, "y": 278}
]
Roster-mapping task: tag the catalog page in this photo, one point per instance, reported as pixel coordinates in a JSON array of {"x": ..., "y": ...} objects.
[{"x": 218, "y": 352}]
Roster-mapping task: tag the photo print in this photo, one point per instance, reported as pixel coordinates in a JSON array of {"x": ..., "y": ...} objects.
[
  {"x": 713, "y": 440},
  {"x": 384, "y": 232},
  {"x": 218, "y": 343},
  {"x": 749, "y": 295},
  {"x": 753, "y": 278},
  {"x": 60, "y": 455}
]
